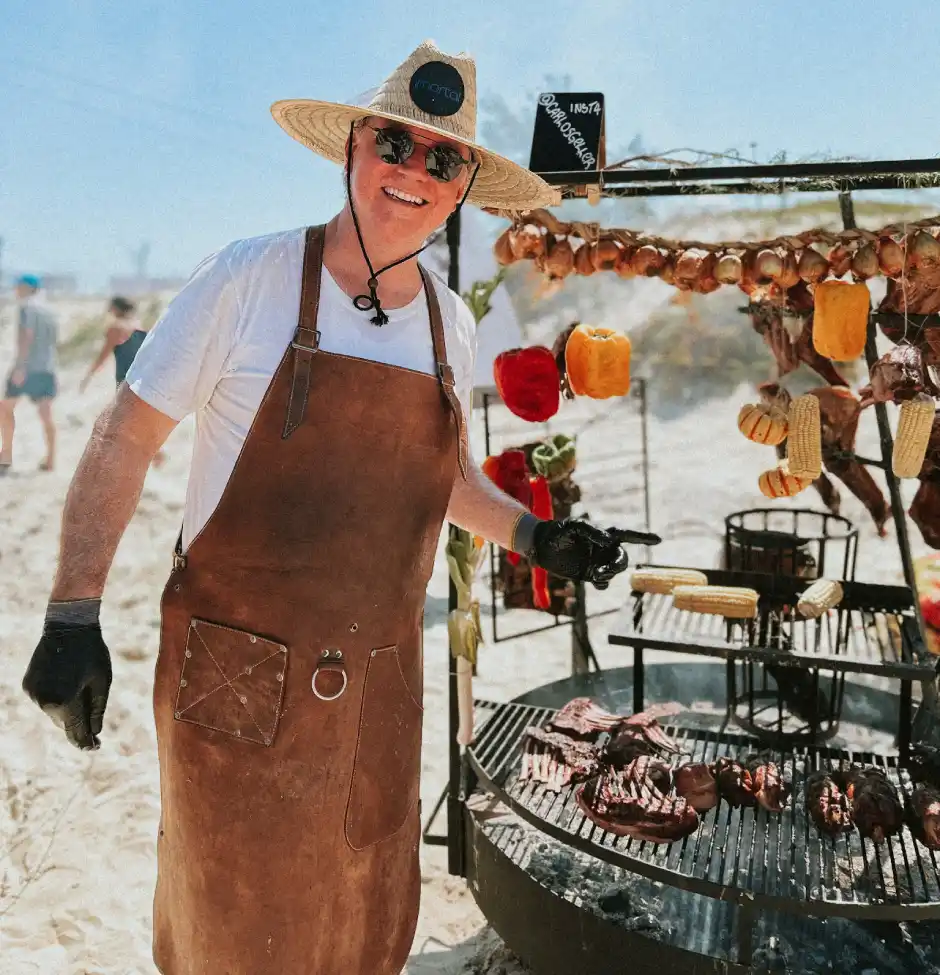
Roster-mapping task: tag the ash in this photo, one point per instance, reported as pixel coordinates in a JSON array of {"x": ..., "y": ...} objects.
[{"x": 784, "y": 944}]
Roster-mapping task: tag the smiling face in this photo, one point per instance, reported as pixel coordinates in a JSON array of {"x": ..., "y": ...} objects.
[{"x": 402, "y": 203}]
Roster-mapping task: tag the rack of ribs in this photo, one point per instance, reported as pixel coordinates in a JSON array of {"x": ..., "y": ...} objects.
[{"x": 556, "y": 760}]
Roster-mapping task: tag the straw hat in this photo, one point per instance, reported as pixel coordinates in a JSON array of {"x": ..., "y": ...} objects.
[{"x": 437, "y": 92}]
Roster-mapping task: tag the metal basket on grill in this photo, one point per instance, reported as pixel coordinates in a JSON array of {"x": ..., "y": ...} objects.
[{"x": 769, "y": 700}]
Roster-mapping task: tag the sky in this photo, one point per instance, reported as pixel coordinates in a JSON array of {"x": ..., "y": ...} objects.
[{"x": 130, "y": 122}]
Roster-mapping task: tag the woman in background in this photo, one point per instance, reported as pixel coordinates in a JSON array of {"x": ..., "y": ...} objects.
[{"x": 123, "y": 338}]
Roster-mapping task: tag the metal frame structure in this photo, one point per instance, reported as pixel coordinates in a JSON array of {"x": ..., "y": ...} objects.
[{"x": 839, "y": 177}]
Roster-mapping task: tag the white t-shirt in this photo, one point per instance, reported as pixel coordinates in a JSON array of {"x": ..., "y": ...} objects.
[{"x": 215, "y": 349}]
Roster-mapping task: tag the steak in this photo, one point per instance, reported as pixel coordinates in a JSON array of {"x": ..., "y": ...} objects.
[
  {"x": 923, "y": 815},
  {"x": 696, "y": 783},
  {"x": 876, "y": 807},
  {"x": 556, "y": 760},
  {"x": 828, "y": 806},
  {"x": 769, "y": 783}
]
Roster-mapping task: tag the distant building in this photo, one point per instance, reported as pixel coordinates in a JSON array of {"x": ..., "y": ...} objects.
[{"x": 134, "y": 286}]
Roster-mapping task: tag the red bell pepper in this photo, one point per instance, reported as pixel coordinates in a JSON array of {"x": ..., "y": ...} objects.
[
  {"x": 508, "y": 472},
  {"x": 541, "y": 507}
]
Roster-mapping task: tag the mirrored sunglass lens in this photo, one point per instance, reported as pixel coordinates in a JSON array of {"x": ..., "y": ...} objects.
[
  {"x": 393, "y": 147},
  {"x": 444, "y": 163}
]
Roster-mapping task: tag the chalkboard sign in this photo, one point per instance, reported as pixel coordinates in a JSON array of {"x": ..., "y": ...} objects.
[{"x": 569, "y": 132}]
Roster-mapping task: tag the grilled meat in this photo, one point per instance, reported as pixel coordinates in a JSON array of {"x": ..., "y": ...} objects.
[
  {"x": 828, "y": 806},
  {"x": 582, "y": 718},
  {"x": 557, "y": 760},
  {"x": 924, "y": 765},
  {"x": 925, "y": 511},
  {"x": 641, "y": 734},
  {"x": 876, "y": 808},
  {"x": 770, "y": 784},
  {"x": 898, "y": 375},
  {"x": 626, "y": 802},
  {"x": 923, "y": 815},
  {"x": 734, "y": 782},
  {"x": 695, "y": 782}
]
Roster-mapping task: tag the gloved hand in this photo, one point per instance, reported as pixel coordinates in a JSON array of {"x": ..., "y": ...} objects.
[
  {"x": 69, "y": 677},
  {"x": 580, "y": 551}
]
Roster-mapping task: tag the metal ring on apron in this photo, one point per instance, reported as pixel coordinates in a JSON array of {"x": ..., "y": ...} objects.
[{"x": 331, "y": 660}]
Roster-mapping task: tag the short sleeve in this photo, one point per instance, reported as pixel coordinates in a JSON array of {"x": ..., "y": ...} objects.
[
  {"x": 185, "y": 354},
  {"x": 463, "y": 358}
]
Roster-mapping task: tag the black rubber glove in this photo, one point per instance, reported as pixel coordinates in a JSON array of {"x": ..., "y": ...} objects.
[
  {"x": 69, "y": 677},
  {"x": 580, "y": 551}
]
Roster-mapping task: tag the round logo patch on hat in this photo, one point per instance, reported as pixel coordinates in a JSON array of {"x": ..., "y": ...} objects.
[{"x": 437, "y": 88}]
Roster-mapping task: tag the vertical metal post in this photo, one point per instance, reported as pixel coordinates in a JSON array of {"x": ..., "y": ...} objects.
[
  {"x": 456, "y": 840},
  {"x": 900, "y": 523},
  {"x": 644, "y": 436}
]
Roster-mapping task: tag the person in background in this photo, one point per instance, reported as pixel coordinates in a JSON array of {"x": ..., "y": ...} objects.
[
  {"x": 123, "y": 337},
  {"x": 34, "y": 370}
]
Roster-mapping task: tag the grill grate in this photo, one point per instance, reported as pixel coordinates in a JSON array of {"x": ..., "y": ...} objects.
[
  {"x": 872, "y": 632},
  {"x": 742, "y": 855}
]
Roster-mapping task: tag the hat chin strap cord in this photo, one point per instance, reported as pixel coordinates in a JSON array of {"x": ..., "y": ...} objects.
[{"x": 370, "y": 301}]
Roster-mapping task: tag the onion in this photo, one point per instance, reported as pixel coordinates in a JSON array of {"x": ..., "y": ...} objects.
[
  {"x": 624, "y": 267},
  {"x": 890, "y": 257},
  {"x": 689, "y": 267},
  {"x": 667, "y": 272},
  {"x": 648, "y": 260},
  {"x": 924, "y": 251},
  {"x": 729, "y": 269},
  {"x": 789, "y": 276},
  {"x": 584, "y": 260},
  {"x": 865, "y": 262},
  {"x": 812, "y": 266},
  {"x": 502, "y": 249},
  {"x": 527, "y": 242},
  {"x": 840, "y": 260},
  {"x": 606, "y": 255},
  {"x": 558, "y": 263},
  {"x": 768, "y": 266}
]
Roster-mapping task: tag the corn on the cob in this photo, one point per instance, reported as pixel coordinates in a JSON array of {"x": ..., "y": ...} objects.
[
  {"x": 821, "y": 596},
  {"x": 804, "y": 438},
  {"x": 663, "y": 581},
  {"x": 731, "y": 601},
  {"x": 780, "y": 483},
  {"x": 913, "y": 436}
]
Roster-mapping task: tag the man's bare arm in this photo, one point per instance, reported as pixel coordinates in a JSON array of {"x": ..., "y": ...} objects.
[
  {"x": 479, "y": 506},
  {"x": 104, "y": 493}
]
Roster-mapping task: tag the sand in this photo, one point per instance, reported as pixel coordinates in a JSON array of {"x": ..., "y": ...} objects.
[{"x": 77, "y": 831}]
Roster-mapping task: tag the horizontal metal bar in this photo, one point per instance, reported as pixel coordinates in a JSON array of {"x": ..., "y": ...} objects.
[{"x": 894, "y": 167}]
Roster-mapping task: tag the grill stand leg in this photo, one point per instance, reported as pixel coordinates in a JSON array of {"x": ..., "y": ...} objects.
[{"x": 638, "y": 689}]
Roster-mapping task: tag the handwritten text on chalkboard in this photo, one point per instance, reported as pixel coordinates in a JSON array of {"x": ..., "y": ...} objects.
[{"x": 581, "y": 137}]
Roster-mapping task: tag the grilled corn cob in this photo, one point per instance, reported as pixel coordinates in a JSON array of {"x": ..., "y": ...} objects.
[
  {"x": 663, "y": 581},
  {"x": 821, "y": 596},
  {"x": 913, "y": 436},
  {"x": 730, "y": 601},
  {"x": 804, "y": 438}
]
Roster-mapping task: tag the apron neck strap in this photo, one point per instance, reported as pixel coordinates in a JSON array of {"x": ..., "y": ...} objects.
[
  {"x": 307, "y": 336},
  {"x": 445, "y": 373}
]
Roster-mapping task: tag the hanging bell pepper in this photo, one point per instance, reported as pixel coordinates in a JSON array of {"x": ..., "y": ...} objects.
[
  {"x": 556, "y": 457},
  {"x": 528, "y": 382},
  {"x": 541, "y": 507},
  {"x": 508, "y": 472}
]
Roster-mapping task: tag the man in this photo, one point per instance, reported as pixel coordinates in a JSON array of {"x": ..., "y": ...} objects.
[
  {"x": 330, "y": 444},
  {"x": 33, "y": 372}
]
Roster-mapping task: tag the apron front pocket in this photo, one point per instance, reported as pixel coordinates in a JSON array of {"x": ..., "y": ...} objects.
[
  {"x": 387, "y": 768},
  {"x": 231, "y": 681}
]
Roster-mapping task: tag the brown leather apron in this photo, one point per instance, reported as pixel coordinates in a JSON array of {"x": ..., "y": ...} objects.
[{"x": 288, "y": 687}]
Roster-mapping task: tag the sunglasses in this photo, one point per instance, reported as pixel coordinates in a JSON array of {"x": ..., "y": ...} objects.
[{"x": 396, "y": 146}]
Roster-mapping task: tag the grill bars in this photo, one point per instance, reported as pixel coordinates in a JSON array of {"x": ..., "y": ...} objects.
[{"x": 748, "y": 856}]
